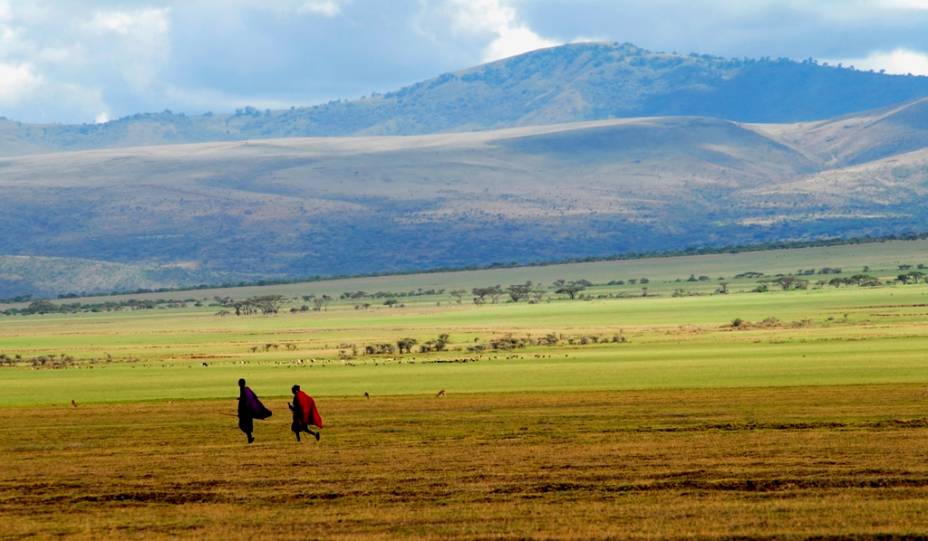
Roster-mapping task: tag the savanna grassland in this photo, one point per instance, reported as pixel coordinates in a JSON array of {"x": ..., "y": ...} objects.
[
  {"x": 789, "y": 462},
  {"x": 657, "y": 410}
]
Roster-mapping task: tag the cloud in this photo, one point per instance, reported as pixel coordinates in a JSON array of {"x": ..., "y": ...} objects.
[
  {"x": 19, "y": 81},
  {"x": 133, "y": 46},
  {"x": 898, "y": 61},
  {"x": 144, "y": 21},
  {"x": 499, "y": 20},
  {"x": 514, "y": 40},
  {"x": 12, "y": 42},
  {"x": 904, "y": 4},
  {"x": 68, "y": 61},
  {"x": 324, "y": 8}
]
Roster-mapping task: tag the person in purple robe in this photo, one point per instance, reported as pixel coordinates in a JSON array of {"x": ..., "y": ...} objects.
[{"x": 249, "y": 409}]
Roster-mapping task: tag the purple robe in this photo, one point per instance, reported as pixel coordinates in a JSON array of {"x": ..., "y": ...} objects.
[{"x": 250, "y": 407}]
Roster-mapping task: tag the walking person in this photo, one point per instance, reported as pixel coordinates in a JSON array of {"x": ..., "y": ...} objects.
[
  {"x": 249, "y": 409},
  {"x": 305, "y": 413}
]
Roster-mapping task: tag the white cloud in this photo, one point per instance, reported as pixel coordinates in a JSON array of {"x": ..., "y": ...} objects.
[
  {"x": 904, "y": 4},
  {"x": 899, "y": 61},
  {"x": 145, "y": 21},
  {"x": 102, "y": 118},
  {"x": 19, "y": 81},
  {"x": 515, "y": 40},
  {"x": 134, "y": 44},
  {"x": 57, "y": 55},
  {"x": 499, "y": 20},
  {"x": 68, "y": 60},
  {"x": 12, "y": 42},
  {"x": 207, "y": 99},
  {"x": 324, "y": 8}
]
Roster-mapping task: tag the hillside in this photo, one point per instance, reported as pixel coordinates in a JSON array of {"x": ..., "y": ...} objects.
[
  {"x": 862, "y": 137},
  {"x": 49, "y": 276},
  {"x": 298, "y": 207},
  {"x": 570, "y": 83}
]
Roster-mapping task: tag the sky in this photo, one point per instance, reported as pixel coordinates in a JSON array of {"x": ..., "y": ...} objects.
[{"x": 78, "y": 61}]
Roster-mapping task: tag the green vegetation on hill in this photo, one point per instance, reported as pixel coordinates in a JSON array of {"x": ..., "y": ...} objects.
[
  {"x": 280, "y": 209},
  {"x": 741, "y": 269},
  {"x": 575, "y": 82}
]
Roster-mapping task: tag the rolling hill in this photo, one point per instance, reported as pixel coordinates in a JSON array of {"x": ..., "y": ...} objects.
[
  {"x": 297, "y": 207},
  {"x": 570, "y": 83}
]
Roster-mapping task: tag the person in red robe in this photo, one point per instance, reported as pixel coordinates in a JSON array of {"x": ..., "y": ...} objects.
[
  {"x": 305, "y": 413},
  {"x": 249, "y": 409}
]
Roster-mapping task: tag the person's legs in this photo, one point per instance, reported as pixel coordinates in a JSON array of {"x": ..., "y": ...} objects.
[
  {"x": 305, "y": 428},
  {"x": 247, "y": 425}
]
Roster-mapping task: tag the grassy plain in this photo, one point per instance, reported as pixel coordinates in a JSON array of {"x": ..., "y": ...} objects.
[
  {"x": 842, "y": 461},
  {"x": 811, "y": 425},
  {"x": 826, "y": 336},
  {"x": 664, "y": 273}
]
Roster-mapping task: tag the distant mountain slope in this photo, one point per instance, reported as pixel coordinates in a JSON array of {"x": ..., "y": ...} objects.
[
  {"x": 893, "y": 186},
  {"x": 49, "y": 276},
  {"x": 863, "y": 137},
  {"x": 570, "y": 83},
  {"x": 299, "y": 207}
]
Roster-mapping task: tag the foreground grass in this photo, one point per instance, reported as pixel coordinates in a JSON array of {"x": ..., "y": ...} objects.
[
  {"x": 788, "y": 462},
  {"x": 781, "y": 431}
]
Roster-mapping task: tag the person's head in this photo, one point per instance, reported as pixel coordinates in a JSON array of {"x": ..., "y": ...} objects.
[
  {"x": 241, "y": 382},
  {"x": 295, "y": 389}
]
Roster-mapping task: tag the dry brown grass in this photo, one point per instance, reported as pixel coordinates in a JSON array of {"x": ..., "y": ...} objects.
[{"x": 841, "y": 461}]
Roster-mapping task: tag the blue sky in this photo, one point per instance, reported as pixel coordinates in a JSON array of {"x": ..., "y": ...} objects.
[{"x": 86, "y": 61}]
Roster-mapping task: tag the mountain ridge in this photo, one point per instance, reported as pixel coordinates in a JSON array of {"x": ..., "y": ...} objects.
[
  {"x": 568, "y": 83},
  {"x": 294, "y": 207}
]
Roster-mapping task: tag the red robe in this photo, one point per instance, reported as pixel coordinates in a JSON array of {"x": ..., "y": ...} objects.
[{"x": 309, "y": 414}]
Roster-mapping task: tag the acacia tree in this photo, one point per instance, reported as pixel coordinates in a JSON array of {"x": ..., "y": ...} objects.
[
  {"x": 864, "y": 280},
  {"x": 570, "y": 289},
  {"x": 791, "y": 282},
  {"x": 517, "y": 292},
  {"x": 266, "y": 304},
  {"x": 911, "y": 277},
  {"x": 321, "y": 303},
  {"x": 458, "y": 294},
  {"x": 537, "y": 295},
  {"x": 405, "y": 345},
  {"x": 481, "y": 293}
]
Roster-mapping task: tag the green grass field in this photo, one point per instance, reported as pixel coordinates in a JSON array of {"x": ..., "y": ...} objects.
[
  {"x": 663, "y": 272},
  {"x": 847, "y": 336},
  {"x": 808, "y": 424}
]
